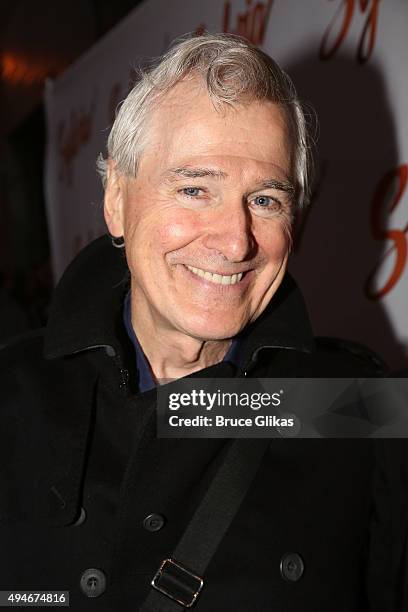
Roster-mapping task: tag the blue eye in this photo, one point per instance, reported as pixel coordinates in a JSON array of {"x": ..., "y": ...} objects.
[
  {"x": 191, "y": 192},
  {"x": 265, "y": 201}
]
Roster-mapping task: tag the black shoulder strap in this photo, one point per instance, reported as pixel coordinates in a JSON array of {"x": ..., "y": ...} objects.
[{"x": 179, "y": 579}]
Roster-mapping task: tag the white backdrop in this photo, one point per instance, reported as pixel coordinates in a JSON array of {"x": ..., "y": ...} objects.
[{"x": 348, "y": 59}]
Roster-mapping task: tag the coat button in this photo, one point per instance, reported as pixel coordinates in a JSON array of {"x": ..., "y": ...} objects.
[
  {"x": 153, "y": 522},
  {"x": 292, "y": 567},
  {"x": 93, "y": 582},
  {"x": 81, "y": 518}
]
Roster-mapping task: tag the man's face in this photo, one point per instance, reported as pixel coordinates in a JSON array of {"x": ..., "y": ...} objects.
[{"x": 206, "y": 221}]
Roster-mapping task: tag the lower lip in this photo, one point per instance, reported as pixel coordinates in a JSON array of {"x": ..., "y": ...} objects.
[{"x": 219, "y": 287}]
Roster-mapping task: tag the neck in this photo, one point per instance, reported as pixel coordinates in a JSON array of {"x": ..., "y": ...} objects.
[{"x": 171, "y": 353}]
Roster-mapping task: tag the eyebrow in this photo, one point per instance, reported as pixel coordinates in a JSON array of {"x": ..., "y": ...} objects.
[
  {"x": 285, "y": 186},
  {"x": 196, "y": 172},
  {"x": 188, "y": 172}
]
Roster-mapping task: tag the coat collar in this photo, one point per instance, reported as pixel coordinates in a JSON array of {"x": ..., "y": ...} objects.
[{"x": 86, "y": 311}]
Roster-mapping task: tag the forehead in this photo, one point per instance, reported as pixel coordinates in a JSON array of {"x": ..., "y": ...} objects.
[{"x": 186, "y": 127}]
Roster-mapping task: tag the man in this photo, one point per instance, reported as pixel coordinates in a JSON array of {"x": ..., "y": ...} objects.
[{"x": 208, "y": 162}]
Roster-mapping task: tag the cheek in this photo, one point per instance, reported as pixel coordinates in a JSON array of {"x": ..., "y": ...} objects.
[
  {"x": 161, "y": 233},
  {"x": 174, "y": 232},
  {"x": 275, "y": 243}
]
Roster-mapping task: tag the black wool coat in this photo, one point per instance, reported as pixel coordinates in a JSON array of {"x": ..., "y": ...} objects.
[{"x": 82, "y": 471}]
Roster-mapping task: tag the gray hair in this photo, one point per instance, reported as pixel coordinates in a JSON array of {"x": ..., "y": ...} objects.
[{"x": 234, "y": 72}]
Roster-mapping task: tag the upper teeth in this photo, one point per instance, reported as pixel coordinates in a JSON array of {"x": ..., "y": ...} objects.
[{"x": 217, "y": 278}]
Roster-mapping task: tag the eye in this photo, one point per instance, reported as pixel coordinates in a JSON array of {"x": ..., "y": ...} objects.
[
  {"x": 266, "y": 202},
  {"x": 191, "y": 192}
]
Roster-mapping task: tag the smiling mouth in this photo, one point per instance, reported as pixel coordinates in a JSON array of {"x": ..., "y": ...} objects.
[{"x": 218, "y": 279}]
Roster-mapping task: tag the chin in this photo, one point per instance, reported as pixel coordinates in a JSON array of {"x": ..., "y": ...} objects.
[{"x": 211, "y": 329}]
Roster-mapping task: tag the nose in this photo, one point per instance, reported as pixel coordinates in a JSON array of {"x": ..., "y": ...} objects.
[{"x": 231, "y": 232}]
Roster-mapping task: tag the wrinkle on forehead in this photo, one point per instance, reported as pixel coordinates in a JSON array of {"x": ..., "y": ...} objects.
[{"x": 185, "y": 126}]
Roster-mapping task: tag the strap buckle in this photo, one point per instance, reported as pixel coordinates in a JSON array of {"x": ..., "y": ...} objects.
[{"x": 177, "y": 582}]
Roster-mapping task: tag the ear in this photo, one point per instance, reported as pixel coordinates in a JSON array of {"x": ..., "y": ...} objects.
[{"x": 114, "y": 201}]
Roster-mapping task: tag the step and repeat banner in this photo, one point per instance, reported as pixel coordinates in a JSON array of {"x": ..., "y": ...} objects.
[{"x": 348, "y": 60}]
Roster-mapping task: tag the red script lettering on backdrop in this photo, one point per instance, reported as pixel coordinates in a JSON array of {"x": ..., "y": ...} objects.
[
  {"x": 346, "y": 11},
  {"x": 250, "y": 24},
  {"x": 397, "y": 179}
]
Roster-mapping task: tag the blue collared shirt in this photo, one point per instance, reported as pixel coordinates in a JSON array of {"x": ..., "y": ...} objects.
[{"x": 146, "y": 379}]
